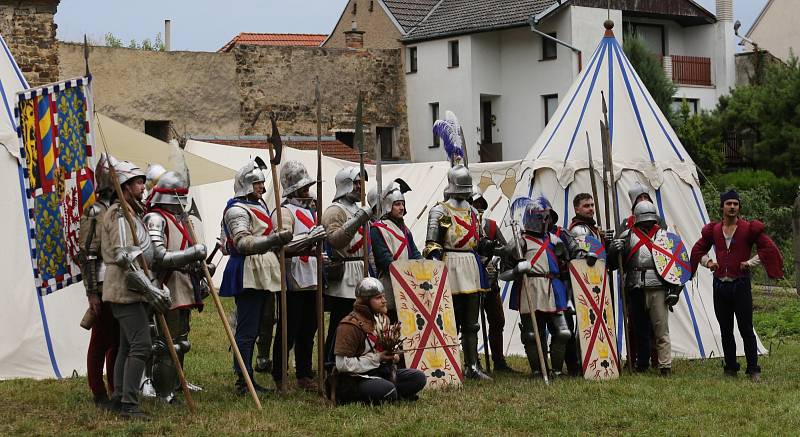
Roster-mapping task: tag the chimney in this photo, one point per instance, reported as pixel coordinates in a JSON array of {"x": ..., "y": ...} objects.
[
  {"x": 725, "y": 10},
  {"x": 167, "y": 35},
  {"x": 354, "y": 38}
]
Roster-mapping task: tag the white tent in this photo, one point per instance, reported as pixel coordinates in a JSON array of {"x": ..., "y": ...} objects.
[
  {"x": 41, "y": 336},
  {"x": 645, "y": 150}
]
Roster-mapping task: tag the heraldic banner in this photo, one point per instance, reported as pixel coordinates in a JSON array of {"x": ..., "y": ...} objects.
[
  {"x": 56, "y": 146},
  {"x": 427, "y": 320}
]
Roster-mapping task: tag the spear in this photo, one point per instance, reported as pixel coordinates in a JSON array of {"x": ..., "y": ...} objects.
[
  {"x": 608, "y": 174},
  {"x": 359, "y": 140},
  {"x": 126, "y": 211},
  {"x": 594, "y": 183},
  {"x": 320, "y": 319}
]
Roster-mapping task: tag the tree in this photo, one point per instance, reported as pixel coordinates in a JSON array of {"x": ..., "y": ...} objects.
[
  {"x": 648, "y": 67},
  {"x": 157, "y": 45},
  {"x": 701, "y": 136},
  {"x": 769, "y": 112}
]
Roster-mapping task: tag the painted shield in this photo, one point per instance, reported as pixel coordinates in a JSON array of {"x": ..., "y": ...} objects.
[
  {"x": 591, "y": 244},
  {"x": 595, "y": 327},
  {"x": 428, "y": 323},
  {"x": 671, "y": 258}
]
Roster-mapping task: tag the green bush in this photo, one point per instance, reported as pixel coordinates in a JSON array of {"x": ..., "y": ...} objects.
[{"x": 783, "y": 191}]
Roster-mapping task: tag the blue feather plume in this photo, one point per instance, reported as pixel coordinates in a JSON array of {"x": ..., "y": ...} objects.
[
  {"x": 518, "y": 207},
  {"x": 449, "y": 130}
]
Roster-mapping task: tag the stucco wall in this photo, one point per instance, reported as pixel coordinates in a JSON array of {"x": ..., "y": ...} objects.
[
  {"x": 195, "y": 90},
  {"x": 777, "y": 31},
  {"x": 30, "y": 32},
  {"x": 281, "y": 79},
  {"x": 379, "y": 30}
]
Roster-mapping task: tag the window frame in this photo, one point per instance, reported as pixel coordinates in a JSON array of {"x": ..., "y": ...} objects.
[
  {"x": 434, "y": 111},
  {"x": 546, "y": 42},
  {"x": 545, "y": 99},
  {"x": 453, "y": 54}
]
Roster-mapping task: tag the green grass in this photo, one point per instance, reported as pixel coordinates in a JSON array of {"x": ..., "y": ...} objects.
[{"x": 696, "y": 400}]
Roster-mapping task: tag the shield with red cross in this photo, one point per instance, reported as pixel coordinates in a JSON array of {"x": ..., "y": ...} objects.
[
  {"x": 671, "y": 258},
  {"x": 427, "y": 321},
  {"x": 595, "y": 327}
]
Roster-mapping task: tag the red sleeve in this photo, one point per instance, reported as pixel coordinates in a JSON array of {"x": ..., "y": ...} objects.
[
  {"x": 702, "y": 246},
  {"x": 768, "y": 251}
]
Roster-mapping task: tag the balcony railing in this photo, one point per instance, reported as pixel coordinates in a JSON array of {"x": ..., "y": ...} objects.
[{"x": 688, "y": 70}]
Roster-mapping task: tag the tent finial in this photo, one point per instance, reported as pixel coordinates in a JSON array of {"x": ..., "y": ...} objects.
[{"x": 609, "y": 25}]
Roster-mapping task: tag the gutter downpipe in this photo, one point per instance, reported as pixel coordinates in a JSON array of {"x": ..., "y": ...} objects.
[{"x": 534, "y": 20}]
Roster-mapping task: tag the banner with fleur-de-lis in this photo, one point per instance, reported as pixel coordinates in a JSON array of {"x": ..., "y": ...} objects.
[{"x": 56, "y": 147}]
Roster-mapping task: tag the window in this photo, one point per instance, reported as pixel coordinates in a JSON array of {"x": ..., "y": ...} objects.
[
  {"x": 652, "y": 35},
  {"x": 452, "y": 51},
  {"x": 692, "y": 103},
  {"x": 550, "y": 105},
  {"x": 412, "y": 60},
  {"x": 157, "y": 129},
  {"x": 386, "y": 140},
  {"x": 371, "y": 5},
  {"x": 355, "y": 8},
  {"x": 435, "y": 116},
  {"x": 549, "y": 47}
]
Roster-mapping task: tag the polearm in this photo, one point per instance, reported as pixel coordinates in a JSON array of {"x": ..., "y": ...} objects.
[
  {"x": 359, "y": 140},
  {"x": 526, "y": 290},
  {"x": 608, "y": 172},
  {"x": 275, "y": 147},
  {"x": 320, "y": 319},
  {"x": 593, "y": 181},
  {"x": 126, "y": 212}
]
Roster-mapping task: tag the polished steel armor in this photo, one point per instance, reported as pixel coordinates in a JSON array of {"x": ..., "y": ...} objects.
[
  {"x": 294, "y": 176},
  {"x": 645, "y": 212},
  {"x": 459, "y": 182},
  {"x": 345, "y": 179},
  {"x": 369, "y": 287},
  {"x": 170, "y": 189},
  {"x": 637, "y": 190},
  {"x": 243, "y": 182},
  {"x": 127, "y": 171}
]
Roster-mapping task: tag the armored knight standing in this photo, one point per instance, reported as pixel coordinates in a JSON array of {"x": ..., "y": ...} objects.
[
  {"x": 344, "y": 222},
  {"x": 252, "y": 275}
]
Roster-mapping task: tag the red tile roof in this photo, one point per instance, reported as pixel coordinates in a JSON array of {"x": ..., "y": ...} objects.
[
  {"x": 330, "y": 148},
  {"x": 275, "y": 39}
]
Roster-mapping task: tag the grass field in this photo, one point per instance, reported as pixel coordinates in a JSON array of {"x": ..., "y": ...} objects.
[{"x": 697, "y": 399}]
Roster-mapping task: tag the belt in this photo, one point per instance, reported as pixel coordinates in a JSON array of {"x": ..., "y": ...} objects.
[
  {"x": 348, "y": 259},
  {"x": 643, "y": 269},
  {"x": 542, "y": 275},
  {"x": 458, "y": 250}
]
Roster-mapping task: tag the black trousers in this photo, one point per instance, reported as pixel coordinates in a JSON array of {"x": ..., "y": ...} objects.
[
  {"x": 301, "y": 323},
  {"x": 339, "y": 308},
  {"x": 735, "y": 299},
  {"x": 408, "y": 382}
]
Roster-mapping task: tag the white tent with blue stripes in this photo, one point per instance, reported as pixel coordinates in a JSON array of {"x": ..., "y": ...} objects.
[
  {"x": 645, "y": 150},
  {"x": 41, "y": 337}
]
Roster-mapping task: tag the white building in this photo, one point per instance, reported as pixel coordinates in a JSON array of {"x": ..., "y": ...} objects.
[
  {"x": 776, "y": 28},
  {"x": 483, "y": 60}
]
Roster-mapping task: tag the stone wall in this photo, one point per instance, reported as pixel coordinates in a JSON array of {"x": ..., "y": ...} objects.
[
  {"x": 281, "y": 79},
  {"x": 30, "y": 32},
  {"x": 195, "y": 91}
]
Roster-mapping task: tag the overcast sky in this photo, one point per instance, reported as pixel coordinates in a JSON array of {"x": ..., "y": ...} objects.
[{"x": 206, "y": 25}]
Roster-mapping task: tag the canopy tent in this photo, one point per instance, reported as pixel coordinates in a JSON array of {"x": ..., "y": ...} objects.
[
  {"x": 645, "y": 150},
  {"x": 42, "y": 338}
]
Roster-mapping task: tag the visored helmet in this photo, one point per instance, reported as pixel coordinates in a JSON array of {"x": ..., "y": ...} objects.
[
  {"x": 537, "y": 215},
  {"x": 636, "y": 191},
  {"x": 645, "y": 211},
  {"x": 127, "y": 171},
  {"x": 459, "y": 182}
]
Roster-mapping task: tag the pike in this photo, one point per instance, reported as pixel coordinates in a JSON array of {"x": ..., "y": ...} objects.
[
  {"x": 126, "y": 211},
  {"x": 320, "y": 319},
  {"x": 608, "y": 176},
  {"x": 359, "y": 140},
  {"x": 275, "y": 146},
  {"x": 594, "y": 183}
]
